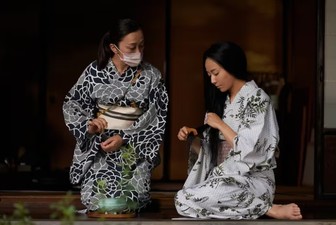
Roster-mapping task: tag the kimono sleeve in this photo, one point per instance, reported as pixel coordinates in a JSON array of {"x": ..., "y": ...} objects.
[
  {"x": 78, "y": 107},
  {"x": 257, "y": 138}
]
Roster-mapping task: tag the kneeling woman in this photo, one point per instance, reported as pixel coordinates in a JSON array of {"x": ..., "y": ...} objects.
[
  {"x": 117, "y": 112},
  {"x": 232, "y": 175}
]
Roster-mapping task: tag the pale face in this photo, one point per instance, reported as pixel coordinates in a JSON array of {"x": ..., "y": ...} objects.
[
  {"x": 219, "y": 77},
  {"x": 131, "y": 43}
]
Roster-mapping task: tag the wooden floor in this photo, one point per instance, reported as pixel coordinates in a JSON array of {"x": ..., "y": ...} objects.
[{"x": 162, "y": 208}]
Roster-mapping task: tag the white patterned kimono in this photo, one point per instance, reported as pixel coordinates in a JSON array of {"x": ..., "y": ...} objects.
[{"x": 243, "y": 185}]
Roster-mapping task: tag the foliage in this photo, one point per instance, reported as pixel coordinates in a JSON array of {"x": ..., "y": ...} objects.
[
  {"x": 64, "y": 210},
  {"x": 20, "y": 214},
  {"x": 128, "y": 160}
]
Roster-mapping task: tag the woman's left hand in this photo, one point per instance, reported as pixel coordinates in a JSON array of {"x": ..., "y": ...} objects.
[{"x": 112, "y": 143}]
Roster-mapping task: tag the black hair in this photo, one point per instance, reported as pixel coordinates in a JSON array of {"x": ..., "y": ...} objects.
[
  {"x": 119, "y": 29},
  {"x": 233, "y": 59}
]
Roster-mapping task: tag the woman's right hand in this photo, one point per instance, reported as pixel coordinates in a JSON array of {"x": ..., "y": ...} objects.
[
  {"x": 97, "y": 125},
  {"x": 184, "y": 132}
]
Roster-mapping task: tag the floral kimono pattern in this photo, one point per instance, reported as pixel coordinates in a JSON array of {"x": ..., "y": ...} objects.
[
  {"x": 243, "y": 185},
  {"x": 101, "y": 174}
]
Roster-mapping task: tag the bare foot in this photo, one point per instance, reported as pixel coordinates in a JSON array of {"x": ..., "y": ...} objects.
[{"x": 289, "y": 211}]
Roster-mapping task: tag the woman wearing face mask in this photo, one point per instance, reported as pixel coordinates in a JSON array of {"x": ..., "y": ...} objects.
[
  {"x": 117, "y": 113},
  {"x": 231, "y": 176}
]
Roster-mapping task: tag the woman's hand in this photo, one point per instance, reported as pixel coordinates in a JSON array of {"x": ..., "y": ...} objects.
[
  {"x": 213, "y": 120},
  {"x": 112, "y": 143},
  {"x": 184, "y": 132},
  {"x": 97, "y": 125}
]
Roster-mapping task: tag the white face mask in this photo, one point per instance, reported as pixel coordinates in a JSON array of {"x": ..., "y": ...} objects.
[{"x": 131, "y": 59}]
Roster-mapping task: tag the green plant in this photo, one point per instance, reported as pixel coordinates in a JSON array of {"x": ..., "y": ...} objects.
[
  {"x": 20, "y": 215},
  {"x": 4, "y": 220},
  {"x": 127, "y": 164},
  {"x": 64, "y": 210}
]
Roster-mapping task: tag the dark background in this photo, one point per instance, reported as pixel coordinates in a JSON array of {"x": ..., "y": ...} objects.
[{"x": 45, "y": 46}]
